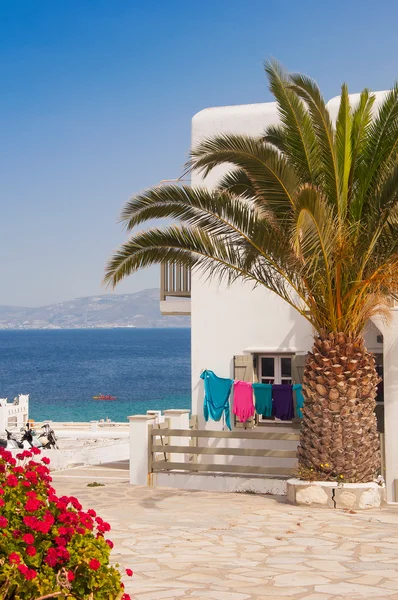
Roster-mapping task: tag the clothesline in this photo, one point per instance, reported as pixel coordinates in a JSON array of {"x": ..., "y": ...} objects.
[{"x": 269, "y": 399}]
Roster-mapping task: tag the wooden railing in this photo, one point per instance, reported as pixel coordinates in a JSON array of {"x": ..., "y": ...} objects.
[
  {"x": 161, "y": 449},
  {"x": 175, "y": 280}
]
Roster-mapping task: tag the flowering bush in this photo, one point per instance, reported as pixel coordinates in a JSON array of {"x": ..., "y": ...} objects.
[{"x": 49, "y": 546}]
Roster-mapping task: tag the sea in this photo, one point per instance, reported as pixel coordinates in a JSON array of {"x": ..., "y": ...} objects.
[{"x": 62, "y": 370}]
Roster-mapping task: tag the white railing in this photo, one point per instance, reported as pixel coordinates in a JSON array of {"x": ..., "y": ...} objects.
[{"x": 14, "y": 415}]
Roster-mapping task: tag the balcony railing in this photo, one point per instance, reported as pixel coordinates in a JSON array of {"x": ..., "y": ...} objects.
[{"x": 175, "y": 281}]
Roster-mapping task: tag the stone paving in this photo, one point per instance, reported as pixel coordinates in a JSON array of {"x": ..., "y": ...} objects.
[{"x": 221, "y": 546}]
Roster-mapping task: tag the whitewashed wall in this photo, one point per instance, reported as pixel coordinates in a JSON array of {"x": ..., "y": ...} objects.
[{"x": 230, "y": 321}]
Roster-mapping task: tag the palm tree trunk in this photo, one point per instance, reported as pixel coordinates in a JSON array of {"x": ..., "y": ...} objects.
[{"x": 339, "y": 438}]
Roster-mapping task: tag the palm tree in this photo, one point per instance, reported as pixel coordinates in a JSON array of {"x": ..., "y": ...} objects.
[{"x": 310, "y": 212}]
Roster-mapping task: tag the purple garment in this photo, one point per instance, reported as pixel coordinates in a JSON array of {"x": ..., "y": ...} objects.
[{"x": 282, "y": 396}]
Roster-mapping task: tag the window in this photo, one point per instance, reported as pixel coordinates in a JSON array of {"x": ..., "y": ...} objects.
[{"x": 275, "y": 369}]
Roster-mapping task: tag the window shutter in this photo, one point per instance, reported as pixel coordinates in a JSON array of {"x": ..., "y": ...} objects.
[
  {"x": 244, "y": 371},
  {"x": 298, "y": 363},
  {"x": 243, "y": 367}
]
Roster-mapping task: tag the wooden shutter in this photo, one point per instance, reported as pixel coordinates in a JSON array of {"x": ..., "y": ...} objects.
[
  {"x": 298, "y": 363},
  {"x": 244, "y": 371},
  {"x": 243, "y": 367}
]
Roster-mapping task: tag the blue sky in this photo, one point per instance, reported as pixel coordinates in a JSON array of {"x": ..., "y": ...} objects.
[{"x": 97, "y": 98}]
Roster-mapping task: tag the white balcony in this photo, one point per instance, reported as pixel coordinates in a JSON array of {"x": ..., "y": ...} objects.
[{"x": 175, "y": 290}]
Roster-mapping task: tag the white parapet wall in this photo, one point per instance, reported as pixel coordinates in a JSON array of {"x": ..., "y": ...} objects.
[{"x": 14, "y": 415}]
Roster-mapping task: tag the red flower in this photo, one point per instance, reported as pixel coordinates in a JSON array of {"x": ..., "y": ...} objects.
[
  {"x": 28, "y": 538},
  {"x": 3, "y": 522},
  {"x": 94, "y": 564},
  {"x": 45, "y": 460},
  {"x": 6, "y": 455},
  {"x": 33, "y": 505},
  {"x": 60, "y": 541},
  {"x": 12, "y": 481},
  {"x": 35, "y": 450},
  {"x": 51, "y": 557},
  {"x": 16, "y": 533},
  {"x": 91, "y": 512},
  {"x": 75, "y": 503},
  {"x": 32, "y": 477},
  {"x": 71, "y": 576},
  {"x": 31, "y": 551},
  {"x": 129, "y": 572},
  {"x": 28, "y": 573},
  {"x": 2, "y": 503},
  {"x": 14, "y": 558},
  {"x": 110, "y": 543},
  {"x": 1, "y": 492},
  {"x": 126, "y": 597}
]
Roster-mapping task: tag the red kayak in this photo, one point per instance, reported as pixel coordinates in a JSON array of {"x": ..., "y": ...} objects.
[{"x": 102, "y": 397}]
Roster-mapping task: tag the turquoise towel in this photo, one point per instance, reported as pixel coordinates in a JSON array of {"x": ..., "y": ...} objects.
[
  {"x": 263, "y": 398},
  {"x": 297, "y": 387},
  {"x": 217, "y": 391}
]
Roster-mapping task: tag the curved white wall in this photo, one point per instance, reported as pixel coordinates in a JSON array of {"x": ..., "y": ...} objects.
[{"x": 230, "y": 321}]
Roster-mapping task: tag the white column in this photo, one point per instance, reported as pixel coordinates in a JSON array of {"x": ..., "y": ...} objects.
[
  {"x": 390, "y": 356},
  {"x": 178, "y": 419},
  {"x": 157, "y": 414},
  {"x": 93, "y": 425},
  {"x": 139, "y": 448}
]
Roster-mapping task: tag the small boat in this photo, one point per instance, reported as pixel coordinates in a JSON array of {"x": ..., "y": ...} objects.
[{"x": 102, "y": 397}]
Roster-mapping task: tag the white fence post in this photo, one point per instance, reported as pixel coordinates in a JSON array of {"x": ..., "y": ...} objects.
[
  {"x": 94, "y": 425},
  {"x": 139, "y": 448},
  {"x": 178, "y": 419},
  {"x": 3, "y": 415},
  {"x": 157, "y": 414}
]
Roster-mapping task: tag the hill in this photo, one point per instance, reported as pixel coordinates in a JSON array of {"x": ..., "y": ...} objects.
[{"x": 110, "y": 310}]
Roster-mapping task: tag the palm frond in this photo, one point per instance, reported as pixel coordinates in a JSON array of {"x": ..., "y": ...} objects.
[
  {"x": 380, "y": 148},
  {"x": 296, "y": 138},
  {"x": 344, "y": 149},
  {"x": 361, "y": 120},
  {"x": 272, "y": 177},
  {"x": 314, "y": 240},
  {"x": 238, "y": 183},
  {"x": 308, "y": 90},
  {"x": 196, "y": 249}
]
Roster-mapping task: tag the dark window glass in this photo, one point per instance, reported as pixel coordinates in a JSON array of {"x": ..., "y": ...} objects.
[
  {"x": 267, "y": 367},
  {"x": 286, "y": 367}
]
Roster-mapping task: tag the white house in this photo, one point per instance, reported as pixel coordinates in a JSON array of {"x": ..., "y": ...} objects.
[{"x": 238, "y": 327}]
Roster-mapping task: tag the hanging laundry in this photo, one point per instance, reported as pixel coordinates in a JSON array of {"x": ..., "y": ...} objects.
[
  {"x": 243, "y": 406},
  {"x": 297, "y": 387},
  {"x": 216, "y": 402},
  {"x": 282, "y": 396},
  {"x": 263, "y": 397}
]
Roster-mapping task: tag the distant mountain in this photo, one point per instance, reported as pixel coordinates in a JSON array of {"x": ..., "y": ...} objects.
[{"x": 141, "y": 309}]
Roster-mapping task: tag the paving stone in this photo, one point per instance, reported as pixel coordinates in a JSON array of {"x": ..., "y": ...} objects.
[
  {"x": 306, "y": 578},
  {"x": 216, "y": 546},
  {"x": 353, "y": 590}
]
